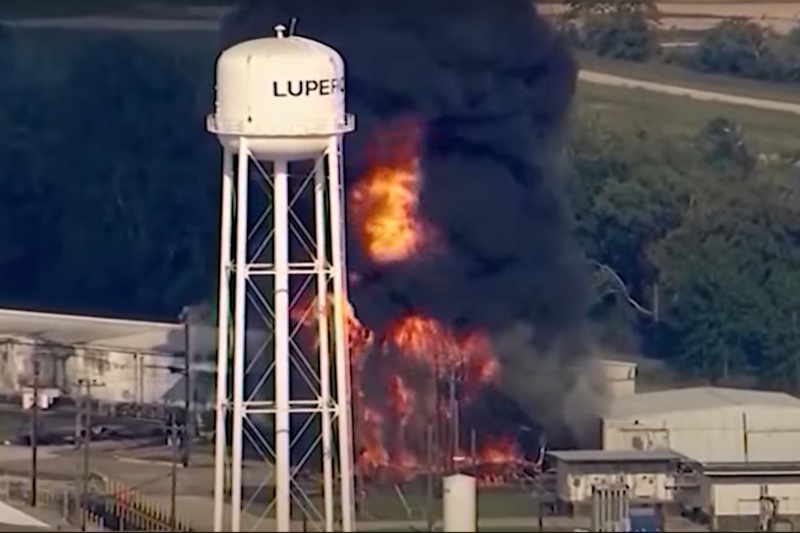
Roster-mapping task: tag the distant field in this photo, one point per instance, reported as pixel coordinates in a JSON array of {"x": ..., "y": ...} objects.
[
  {"x": 781, "y": 15},
  {"x": 673, "y": 74},
  {"x": 633, "y": 109}
]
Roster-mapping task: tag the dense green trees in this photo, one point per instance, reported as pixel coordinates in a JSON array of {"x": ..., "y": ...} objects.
[
  {"x": 744, "y": 48},
  {"x": 614, "y": 29},
  {"x": 628, "y": 30},
  {"x": 107, "y": 155},
  {"x": 711, "y": 231}
]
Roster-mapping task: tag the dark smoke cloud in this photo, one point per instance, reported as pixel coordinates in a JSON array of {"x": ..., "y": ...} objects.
[{"x": 493, "y": 83}]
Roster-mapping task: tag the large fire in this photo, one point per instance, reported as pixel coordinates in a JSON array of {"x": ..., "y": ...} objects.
[
  {"x": 416, "y": 380},
  {"x": 384, "y": 203}
]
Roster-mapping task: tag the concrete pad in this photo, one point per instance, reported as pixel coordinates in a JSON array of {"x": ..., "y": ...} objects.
[{"x": 12, "y": 516}]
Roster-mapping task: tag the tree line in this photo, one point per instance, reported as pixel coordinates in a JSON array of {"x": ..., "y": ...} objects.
[
  {"x": 109, "y": 200},
  {"x": 628, "y": 30}
]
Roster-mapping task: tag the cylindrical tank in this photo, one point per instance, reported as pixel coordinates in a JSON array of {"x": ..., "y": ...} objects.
[
  {"x": 620, "y": 377},
  {"x": 286, "y": 95},
  {"x": 460, "y": 503}
]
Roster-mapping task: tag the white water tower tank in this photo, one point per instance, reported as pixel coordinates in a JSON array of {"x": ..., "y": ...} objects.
[{"x": 286, "y": 95}]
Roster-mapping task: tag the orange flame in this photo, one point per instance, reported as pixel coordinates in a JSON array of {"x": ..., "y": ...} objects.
[
  {"x": 420, "y": 337},
  {"x": 391, "y": 420},
  {"x": 385, "y": 200}
]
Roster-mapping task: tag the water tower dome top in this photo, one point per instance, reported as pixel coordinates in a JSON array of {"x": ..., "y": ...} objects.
[{"x": 280, "y": 87}]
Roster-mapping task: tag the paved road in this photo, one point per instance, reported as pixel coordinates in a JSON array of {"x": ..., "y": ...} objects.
[{"x": 611, "y": 80}]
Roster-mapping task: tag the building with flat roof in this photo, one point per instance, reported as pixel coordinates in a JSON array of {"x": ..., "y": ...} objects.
[
  {"x": 138, "y": 361},
  {"x": 738, "y": 495},
  {"x": 649, "y": 475},
  {"x": 707, "y": 424}
]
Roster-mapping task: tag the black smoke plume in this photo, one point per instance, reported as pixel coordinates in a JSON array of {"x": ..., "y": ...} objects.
[{"x": 492, "y": 83}]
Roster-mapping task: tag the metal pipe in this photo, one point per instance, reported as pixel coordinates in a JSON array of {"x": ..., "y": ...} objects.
[
  {"x": 223, "y": 325},
  {"x": 281, "y": 342}
]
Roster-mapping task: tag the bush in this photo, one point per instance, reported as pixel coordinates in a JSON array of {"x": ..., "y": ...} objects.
[{"x": 743, "y": 48}]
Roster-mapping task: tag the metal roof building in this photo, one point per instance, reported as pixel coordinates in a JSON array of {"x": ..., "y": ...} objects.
[
  {"x": 707, "y": 424},
  {"x": 135, "y": 359},
  {"x": 138, "y": 361}
]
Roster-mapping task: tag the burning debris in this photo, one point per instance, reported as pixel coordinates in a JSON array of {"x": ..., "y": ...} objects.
[{"x": 458, "y": 234}]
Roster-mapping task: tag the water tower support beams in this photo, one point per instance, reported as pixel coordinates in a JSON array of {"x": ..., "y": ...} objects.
[{"x": 283, "y": 385}]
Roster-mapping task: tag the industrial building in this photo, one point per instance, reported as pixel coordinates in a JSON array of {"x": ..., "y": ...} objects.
[
  {"x": 740, "y": 496},
  {"x": 741, "y": 449},
  {"x": 707, "y": 424},
  {"x": 649, "y": 475},
  {"x": 135, "y": 361}
]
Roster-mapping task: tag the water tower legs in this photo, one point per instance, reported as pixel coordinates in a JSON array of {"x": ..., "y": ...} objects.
[
  {"x": 223, "y": 336},
  {"x": 251, "y": 265}
]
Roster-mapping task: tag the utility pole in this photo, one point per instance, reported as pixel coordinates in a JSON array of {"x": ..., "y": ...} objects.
[
  {"x": 173, "y": 501},
  {"x": 34, "y": 432},
  {"x": 454, "y": 443},
  {"x": 186, "y": 319},
  {"x": 429, "y": 495},
  {"x": 86, "y": 434}
]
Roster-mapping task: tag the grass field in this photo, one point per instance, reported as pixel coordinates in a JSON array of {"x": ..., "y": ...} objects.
[
  {"x": 384, "y": 503},
  {"x": 637, "y": 109}
]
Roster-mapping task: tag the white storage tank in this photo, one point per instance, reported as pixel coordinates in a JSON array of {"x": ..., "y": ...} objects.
[
  {"x": 285, "y": 94},
  {"x": 460, "y": 503},
  {"x": 620, "y": 377}
]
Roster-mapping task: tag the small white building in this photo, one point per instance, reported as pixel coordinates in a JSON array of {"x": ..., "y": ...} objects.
[
  {"x": 707, "y": 424},
  {"x": 649, "y": 475},
  {"x": 733, "y": 495}
]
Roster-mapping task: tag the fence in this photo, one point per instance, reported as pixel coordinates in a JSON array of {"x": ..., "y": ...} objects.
[{"x": 109, "y": 506}]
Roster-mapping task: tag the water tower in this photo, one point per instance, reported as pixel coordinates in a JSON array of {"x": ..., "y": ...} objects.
[{"x": 280, "y": 117}]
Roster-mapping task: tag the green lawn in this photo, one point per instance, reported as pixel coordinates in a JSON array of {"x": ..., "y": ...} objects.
[
  {"x": 637, "y": 109},
  {"x": 660, "y": 72},
  {"x": 383, "y": 503}
]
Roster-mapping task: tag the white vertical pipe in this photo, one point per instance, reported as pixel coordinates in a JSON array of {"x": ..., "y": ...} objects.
[
  {"x": 323, "y": 316},
  {"x": 281, "y": 340},
  {"x": 223, "y": 325},
  {"x": 239, "y": 331},
  {"x": 344, "y": 394},
  {"x": 459, "y": 501}
]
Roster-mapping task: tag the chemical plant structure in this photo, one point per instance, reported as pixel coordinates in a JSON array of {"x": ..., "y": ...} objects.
[{"x": 280, "y": 117}]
